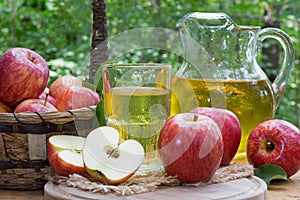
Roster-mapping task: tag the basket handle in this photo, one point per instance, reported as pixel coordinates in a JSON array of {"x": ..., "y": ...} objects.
[{"x": 99, "y": 50}]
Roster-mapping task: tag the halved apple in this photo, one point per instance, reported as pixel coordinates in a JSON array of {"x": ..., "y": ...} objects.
[
  {"x": 108, "y": 159},
  {"x": 65, "y": 154}
]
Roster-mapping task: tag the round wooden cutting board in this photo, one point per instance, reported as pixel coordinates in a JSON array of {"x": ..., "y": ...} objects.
[{"x": 246, "y": 188}]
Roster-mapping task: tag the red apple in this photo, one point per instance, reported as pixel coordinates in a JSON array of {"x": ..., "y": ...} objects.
[
  {"x": 65, "y": 154},
  {"x": 191, "y": 147},
  {"x": 230, "y": 128},
  {"x": 275, "y": 142},
  {"x": 5, "y": 108},
  {"x": 24, "y": 75},
  {"x": 61, "y": 83},
  {"x": 47, "y": 97},
  {"x": 34, "y": 105},
  {"x": 76, "y": 97}
]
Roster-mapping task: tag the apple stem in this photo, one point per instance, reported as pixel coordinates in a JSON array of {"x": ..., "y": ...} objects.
[
  {"x": 32, "y": 59},
  {"x": 84, "y": 82},
  {"x": 46, "y": 99},
  {"x": 195, "y": 118},
  {"x": 270, "y": 146}
]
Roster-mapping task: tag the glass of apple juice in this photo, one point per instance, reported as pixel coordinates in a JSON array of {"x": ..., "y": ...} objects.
[{"x": 137, "y": 103}]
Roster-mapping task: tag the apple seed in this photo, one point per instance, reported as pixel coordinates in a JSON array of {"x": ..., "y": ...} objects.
[{"x": 113, "y": 153}]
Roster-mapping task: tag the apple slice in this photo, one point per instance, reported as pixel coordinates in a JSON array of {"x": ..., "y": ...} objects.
[
  {"x": 108, "y": 159},
  {"x": 65, "y": 154}
]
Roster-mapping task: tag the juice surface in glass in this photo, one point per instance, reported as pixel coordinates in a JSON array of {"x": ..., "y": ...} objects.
[
  {"x": 251, "y": 100},
  {"x": 139, "y": 113}
]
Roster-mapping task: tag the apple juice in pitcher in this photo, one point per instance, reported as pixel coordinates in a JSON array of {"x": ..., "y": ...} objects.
[
  {"x": 220, "y": 70},
  {"x": 251, "y": 100}
]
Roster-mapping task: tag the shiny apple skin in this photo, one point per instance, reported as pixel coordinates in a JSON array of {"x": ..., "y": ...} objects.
[
  {"x": 230, "y": 128},
  {"x": 24, "y": 74},
  {"x": 62, "y": 82},
  {"x": 191, "y": 147},
  {"x": 34, "y": 105},
  {"x": 76, "y": 97},
  {"x": 275, "y": 142}
]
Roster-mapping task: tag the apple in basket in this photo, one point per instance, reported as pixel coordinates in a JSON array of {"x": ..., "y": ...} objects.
[
  {"x": 108, "y": 159},
  {"x": 65, "y": 154},
  {"x": 275, "y": 142},
  {"x": 76, "y": 97},
  {"x": 5, "y": 108},
  {"x": 63, "y": 82},
  {"x": 24, "y": 75},
  {"x": 47, "y": 97},
  {"x": 190, "y": 147},
  {"x": 230, "y": 128},
  {"x": 35, "y": 105}
]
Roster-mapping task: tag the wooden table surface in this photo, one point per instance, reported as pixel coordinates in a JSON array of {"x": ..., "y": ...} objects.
[{"x": 278, "y": 190}]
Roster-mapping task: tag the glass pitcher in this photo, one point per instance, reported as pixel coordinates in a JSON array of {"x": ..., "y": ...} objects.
[{"x": 220, "y": 70}]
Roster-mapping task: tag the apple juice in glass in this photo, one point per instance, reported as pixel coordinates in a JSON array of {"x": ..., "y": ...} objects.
[{"x": 136, "y": 102}]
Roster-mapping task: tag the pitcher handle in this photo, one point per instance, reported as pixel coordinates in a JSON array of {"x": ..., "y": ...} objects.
[{"x": 283, "y": 76}]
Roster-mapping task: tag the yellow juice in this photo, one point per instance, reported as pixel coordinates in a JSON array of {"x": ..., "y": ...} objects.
[
  {"x": 251, "y": 100},
  {"x": 139, "y": 113}
]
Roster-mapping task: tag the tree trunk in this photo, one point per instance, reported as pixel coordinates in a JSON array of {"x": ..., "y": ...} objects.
[
  {"x": 13, "y": 24},
  {"x": 99, "y": 51}
]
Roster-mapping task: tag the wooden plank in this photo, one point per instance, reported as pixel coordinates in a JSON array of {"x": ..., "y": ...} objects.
[{"x": 246, "y": 188}]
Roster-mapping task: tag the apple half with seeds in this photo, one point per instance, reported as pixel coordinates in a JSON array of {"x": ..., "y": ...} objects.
[
  {"x": 108, "y": 159},
  {"x": 65, "y": 154}
]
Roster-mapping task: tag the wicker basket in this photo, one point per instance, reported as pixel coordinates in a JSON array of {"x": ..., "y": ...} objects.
[
  {"x": 23, "y": 136},
  {"x": 23, "y": 143}
]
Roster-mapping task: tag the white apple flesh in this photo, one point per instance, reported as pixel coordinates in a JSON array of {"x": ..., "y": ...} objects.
[
  {"x": 109, "y": 160},
  {"x": 65, "y": 154}
]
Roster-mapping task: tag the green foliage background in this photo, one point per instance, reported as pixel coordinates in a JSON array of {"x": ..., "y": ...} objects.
[{"x": 60, "y": 30}]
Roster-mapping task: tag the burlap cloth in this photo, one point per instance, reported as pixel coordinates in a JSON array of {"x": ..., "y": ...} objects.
[{"x": 150, "y": 183}]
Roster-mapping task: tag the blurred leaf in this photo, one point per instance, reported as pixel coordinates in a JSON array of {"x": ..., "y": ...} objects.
[
  {"x": 269, "y": 172},
  {"x": 62, "y": 30},
  {"x": 100, "y": 112}
]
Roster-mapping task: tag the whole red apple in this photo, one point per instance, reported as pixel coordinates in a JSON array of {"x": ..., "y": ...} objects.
[
  {"x": 5, "y": 108},
  {"x": 62, "y": 82},
  {"x": 191, "y": 147},
  {"x": 76, "y": 97},
  {"x": 24, "y": 75},
  {"x": 34, "y": 105},
  {"x": 275, "y": 142},
  {"x": 230, "y": 128}
]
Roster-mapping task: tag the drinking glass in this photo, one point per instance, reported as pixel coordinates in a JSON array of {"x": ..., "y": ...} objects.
[{"x": 137, "y": 103}]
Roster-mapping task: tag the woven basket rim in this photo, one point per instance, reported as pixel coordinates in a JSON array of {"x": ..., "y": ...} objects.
[{"x": 57, "y": 117}]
